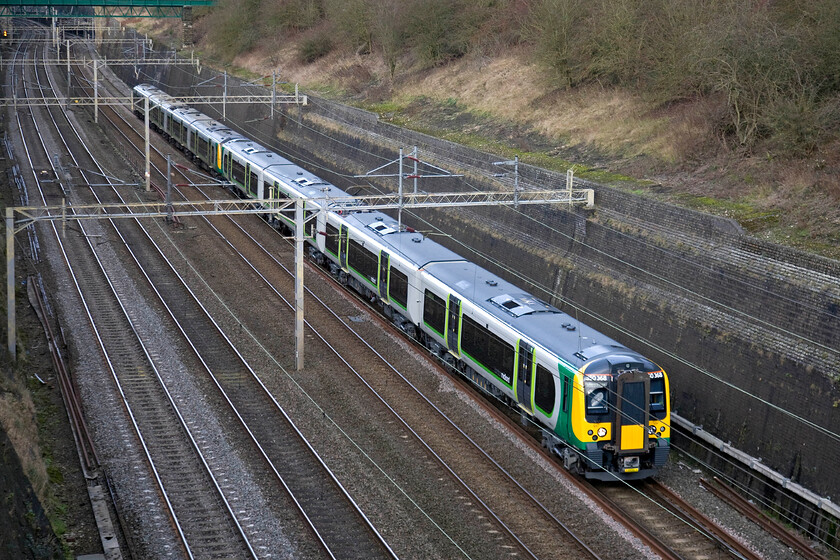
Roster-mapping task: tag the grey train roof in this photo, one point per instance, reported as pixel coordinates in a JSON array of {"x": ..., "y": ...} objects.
[
  {"x": 546, "y": 325},
  {"x": 304, "y": 182},
  {"x": 542, "y": 323},
  {"x": 535, "y": 319},
  {"x": 215, "y": 130},
  {"x": 413, "y": 246},
  {"x": 162, "y": 98}
]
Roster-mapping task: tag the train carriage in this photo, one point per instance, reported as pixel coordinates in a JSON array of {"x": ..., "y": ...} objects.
[
  {"x": 161, "y": 106},
  {"x": 603, "y": 407}
]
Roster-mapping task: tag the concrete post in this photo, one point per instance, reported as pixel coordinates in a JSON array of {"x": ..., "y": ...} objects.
[
  {"x": 68, "y": 70},
  {"x": 414, "y": 153}
]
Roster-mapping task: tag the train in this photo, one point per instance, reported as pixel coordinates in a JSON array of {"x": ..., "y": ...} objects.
[{"x": 602, "y": 407}]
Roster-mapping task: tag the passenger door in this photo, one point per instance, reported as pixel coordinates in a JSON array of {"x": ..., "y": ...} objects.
[
  {"x": 453, "y": 321},
  {"x": 384, "y": 263},
  {"x": 524, "y": 375},
  {"x": 342, "y": 248},
  {"x": 631, "y": 411}
]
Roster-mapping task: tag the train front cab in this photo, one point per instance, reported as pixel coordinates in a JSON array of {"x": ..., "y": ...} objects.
[{"x": 620, "y": 417}]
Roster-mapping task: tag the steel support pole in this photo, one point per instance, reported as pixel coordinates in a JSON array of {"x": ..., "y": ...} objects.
[
  {"x": 10, "y": 283},
  {"x": 299, "y": 225},
  {"x": 148, "y": 173},
  {"x": 224, "y": 100},
  {"x": 169, "y": 209},
  {"x": 516, "y": 182},
  {"x": 399, "y": 210},
  {"x": 570, "y": 181},
  {"x": 95, "y": 92},
  {"x": 273, "y": 92},
  {"x": 68, "y": 70},
  {"x": 414, "y": 153}
]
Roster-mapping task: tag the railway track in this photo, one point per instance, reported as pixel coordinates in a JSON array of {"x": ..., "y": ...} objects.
[
  {"x": 728, "y": 494},
  {"x": 673, "y": 527},
  {"x": 337, "y": 522},
  {"x": 669, "y": 525},
  {"x": 204, "y": 526}
]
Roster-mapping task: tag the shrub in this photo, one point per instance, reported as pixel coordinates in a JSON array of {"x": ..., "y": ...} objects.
[
  {"x": 232, "y": 26},
  {"x": 800, "y": 124},
  {"x": 353, "y": 21},
  {"x": 435, "y": 32},
  {"x": 554, "y": 27},
  {"x": 290, "y": 14},
  {"x": 313, "y": 48}
]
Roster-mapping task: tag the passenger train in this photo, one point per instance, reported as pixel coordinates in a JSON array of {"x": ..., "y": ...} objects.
[{"x": 602, "y": 407}]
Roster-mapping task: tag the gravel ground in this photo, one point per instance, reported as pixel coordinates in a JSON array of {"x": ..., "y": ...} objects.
[{"x": 180, "y": 372}]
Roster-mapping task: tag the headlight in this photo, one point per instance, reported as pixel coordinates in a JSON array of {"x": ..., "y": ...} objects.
[
  {"x": 602, "y": 432},
  {"x": 651, "y": 430}
]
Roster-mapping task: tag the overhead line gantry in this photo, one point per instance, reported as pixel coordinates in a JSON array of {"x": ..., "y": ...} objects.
[{"x": 388, "y": 201}]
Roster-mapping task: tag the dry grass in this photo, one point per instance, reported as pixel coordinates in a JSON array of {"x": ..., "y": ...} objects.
[
  {"x": 508, "y": 87},
  {"x": 505, "y": 87}
]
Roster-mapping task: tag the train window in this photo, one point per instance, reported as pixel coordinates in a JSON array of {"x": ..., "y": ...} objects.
[
  {"x": 597, "y": 399},
  {"x": 632, "y": 404},
  {"x": 254, "y": 181},
  {"x": 566, "y": 395},
  {"x": 289, "y": 211},
  {"x": 363, "y": 261},
  {"x": 310, "y": 223},
  {"x": 657, "y": 398},
  {"x": 544, "y": 390},
  {"x": 398, "y": 287},
  {"x": 331, "y": 241},
  {"x": 488, "y": 349},
  {"x": 202, "y": 148},
  {"x": 238, "y": 172},
  {"x": 434, "y": 312}
]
